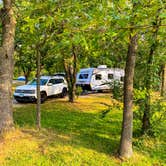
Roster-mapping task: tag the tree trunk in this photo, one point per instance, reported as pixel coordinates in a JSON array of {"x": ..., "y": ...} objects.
[
  {"x": 163, "y": 85},
  {"x": 6, "y": 66},
  {"x": 71, "y": 71},
  {"x": 149, "y": 74},
  {"x": 38, "y": 112},
  {"x": 126, "y": 134},
  {"x": 27, "y": 74},
  {"x": 71, "y": 92},
  {"x": 26, "y": 78},
  {"x": 38, "y": 56}
]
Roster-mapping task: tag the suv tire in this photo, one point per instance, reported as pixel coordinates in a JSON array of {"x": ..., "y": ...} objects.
[
  {"x": 64, "y": 92},
  {"x": 43, "y": 96}
]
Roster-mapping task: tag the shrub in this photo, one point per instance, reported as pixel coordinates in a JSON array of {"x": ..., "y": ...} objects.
[
  {"x": 157, "y": 111},
  {"x": 117, "y": 90},
  {"x": 78, "y": 91}
]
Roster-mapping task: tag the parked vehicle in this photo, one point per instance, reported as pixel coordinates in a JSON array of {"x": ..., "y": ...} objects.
[
  {"x": 99, "y": 78},
  {"x": 49, "y": 86},
  {"x": 21, "y": 78}
]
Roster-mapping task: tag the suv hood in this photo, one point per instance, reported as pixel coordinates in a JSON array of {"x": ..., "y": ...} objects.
[{"x": 27, "y": 87}]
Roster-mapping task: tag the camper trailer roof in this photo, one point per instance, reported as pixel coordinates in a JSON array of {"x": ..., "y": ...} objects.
[
  {"x": 87, "y": 70},
  {"x": 102, "y": 67},
  {"x": 90, "y": 70}
]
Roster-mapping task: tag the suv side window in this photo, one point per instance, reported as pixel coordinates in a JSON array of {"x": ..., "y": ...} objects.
[
  {"x": 59, "y": 81},
  {"x": 52, "y": 81}
]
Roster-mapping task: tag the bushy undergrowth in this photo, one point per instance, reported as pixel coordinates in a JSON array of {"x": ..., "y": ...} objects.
[{"x": 157, "y": 111}]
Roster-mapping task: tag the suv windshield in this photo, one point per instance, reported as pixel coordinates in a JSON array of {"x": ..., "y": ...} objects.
[{"x": 34, "y": 82}]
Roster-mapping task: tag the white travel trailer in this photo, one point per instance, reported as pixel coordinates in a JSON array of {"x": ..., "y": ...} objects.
[{"x": 99, "y": 78}]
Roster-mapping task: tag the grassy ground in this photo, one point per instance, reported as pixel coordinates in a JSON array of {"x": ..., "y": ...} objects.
[{"x": 75, "y": 135}]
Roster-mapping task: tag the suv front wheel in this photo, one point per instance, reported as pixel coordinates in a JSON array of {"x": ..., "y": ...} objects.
[
  {"x": 64, "y": 92},
  {"x": 43, "y": 96}
]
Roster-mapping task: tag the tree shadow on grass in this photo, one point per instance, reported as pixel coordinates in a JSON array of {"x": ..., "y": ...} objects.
[{"x": 74, "y": 128}]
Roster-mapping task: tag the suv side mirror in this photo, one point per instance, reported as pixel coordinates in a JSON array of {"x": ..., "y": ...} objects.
[{"x": 49, "y": 84}]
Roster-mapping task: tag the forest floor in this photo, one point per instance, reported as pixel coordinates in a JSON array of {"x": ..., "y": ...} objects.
[{"x": 77, "y": 135}]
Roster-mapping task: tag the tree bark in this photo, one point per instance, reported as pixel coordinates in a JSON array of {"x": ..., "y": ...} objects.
[
  {"x": 6, "y": 66},
  {"x": 163, "y": 85},
  {"x": 126, "y": 134},
  {"x": 27, "y": 74},
  {"x": 71, "y": 71},
  {"x": 38, "y": 111}
]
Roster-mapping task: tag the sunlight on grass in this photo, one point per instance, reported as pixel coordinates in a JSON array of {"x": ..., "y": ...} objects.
[{"x": 74, "y": 135}]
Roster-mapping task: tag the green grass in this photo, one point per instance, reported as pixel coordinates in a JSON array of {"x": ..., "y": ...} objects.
[{"x": 75, "y": 135}]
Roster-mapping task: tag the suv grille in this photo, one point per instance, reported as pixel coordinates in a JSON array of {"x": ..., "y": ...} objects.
[{"x": 25, "y": 91}]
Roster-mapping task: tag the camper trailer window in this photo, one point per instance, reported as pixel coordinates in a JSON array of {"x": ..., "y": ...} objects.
[
  {"x": 98, "y": 77},
  {"x": 122, "y": 79},
  {"x": 83, "y": 76},
  {"x": 110, "y": 76}
]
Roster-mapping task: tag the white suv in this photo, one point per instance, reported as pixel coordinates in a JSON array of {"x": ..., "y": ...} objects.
[{"x": 49, "y": 86}]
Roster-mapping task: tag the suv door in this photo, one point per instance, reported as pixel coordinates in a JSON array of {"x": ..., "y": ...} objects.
[
  {"x": 55, "y": 86},
  {"x": 51, "y": 90},
  {"x": 59, "y": 84}
]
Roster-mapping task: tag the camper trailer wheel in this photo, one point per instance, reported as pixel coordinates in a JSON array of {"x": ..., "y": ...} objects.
[{"x": 99, "y": 91}]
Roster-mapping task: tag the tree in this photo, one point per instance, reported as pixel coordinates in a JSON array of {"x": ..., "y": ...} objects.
[
  {"x": 125, "y": 150},
  {"x": 6, "y": 65},
  {"x": 69, "y": 40},
  {"x": 38, "y": 112},
  {"x": 126, "y": 135},
  {"x": 149, "y": 73},
  {"x": 32, "y": 35},
  {"x": 150, "y": 59},
  {"x": 80, "y": 37},
  {"x": 70, "y": 66}
]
